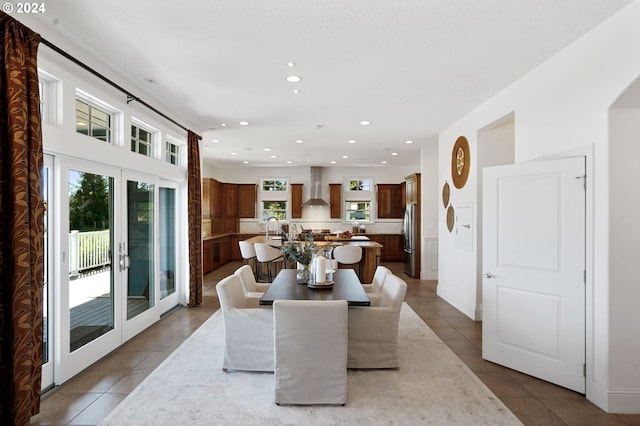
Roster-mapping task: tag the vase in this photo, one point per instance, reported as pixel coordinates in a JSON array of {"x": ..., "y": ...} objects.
[{"x": 302, "y": 276}]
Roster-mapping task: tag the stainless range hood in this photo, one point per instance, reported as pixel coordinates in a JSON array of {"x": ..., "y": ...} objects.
[{"x": 316, "y": 193}]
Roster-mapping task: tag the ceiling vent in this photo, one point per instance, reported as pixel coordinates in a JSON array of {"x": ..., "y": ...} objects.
[{"x": 316, "y": 193}]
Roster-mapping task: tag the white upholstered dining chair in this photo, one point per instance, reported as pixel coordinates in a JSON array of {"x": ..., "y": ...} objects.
[
  {"x": 310, "y": 340},
  {"x": 249, "y": 285},
  {"x": 248, "y": 328},
  {"x": 374, "y": 289},
  {"x": 373, "y": 330}
]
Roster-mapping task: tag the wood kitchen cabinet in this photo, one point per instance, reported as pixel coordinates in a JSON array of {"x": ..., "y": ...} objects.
[
  {"x": 335, "y": 200},
  {"x": 296, "y": 200},
  {"x": 207, "y": 256},
  {"x": 247, "y": 200},
  {"x": 392, "y": 246},
  {"x": 412, "y": 185},
  {"x": 390, "y": 201},
  {"x": 230, "y": 207}
]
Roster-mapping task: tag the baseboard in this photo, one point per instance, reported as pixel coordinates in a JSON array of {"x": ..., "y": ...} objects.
[{"x": 619, "y": 401}]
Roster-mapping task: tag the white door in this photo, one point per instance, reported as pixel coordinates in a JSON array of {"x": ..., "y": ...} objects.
[{"x": 534, "y": 269}]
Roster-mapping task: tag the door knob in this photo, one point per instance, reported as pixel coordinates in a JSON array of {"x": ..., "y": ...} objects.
[{"x": 489, "y": 275}]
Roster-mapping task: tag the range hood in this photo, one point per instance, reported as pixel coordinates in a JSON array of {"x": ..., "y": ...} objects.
[{"x": 316, "y": 193}]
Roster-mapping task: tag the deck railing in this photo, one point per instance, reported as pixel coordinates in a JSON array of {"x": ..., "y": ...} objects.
[{"x": 88, "y": 251}]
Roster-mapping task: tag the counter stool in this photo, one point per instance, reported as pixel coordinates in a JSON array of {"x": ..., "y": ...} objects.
[
  {"x": 248, "y": 252},
  {"x": 349, "y": 255},
  {"x": 269, "y": 255}
]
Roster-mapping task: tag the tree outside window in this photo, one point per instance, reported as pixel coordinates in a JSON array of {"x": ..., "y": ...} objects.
[{"x": 277, "y": 209}]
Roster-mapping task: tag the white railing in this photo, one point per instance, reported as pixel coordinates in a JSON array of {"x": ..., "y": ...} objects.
[{"x": 88, "y": 251}]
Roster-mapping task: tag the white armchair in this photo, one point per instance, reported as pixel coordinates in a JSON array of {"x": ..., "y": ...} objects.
[
  {"x": 373, "y": 331},
  {"x": 249, "y": 285},
  {"x": 248, "y": 328},
  {"x": 374, "y": 290}
]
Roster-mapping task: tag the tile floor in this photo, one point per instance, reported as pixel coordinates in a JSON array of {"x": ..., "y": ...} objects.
[{"x": 89, "y": 397}]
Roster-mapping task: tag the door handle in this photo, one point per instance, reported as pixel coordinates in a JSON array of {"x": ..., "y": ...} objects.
[
  {"x": 124, "y": 262},
  {"x": 489, "y": 275}
]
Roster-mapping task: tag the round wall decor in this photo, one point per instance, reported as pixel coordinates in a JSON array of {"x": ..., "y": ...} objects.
[
  {"x": 446, "y": 193},
  {"x": 460, "y": 162},
  {"x": 451, "y": 216}
]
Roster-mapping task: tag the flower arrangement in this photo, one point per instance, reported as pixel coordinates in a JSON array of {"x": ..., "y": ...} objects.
[{"x": 300, "y": 252}]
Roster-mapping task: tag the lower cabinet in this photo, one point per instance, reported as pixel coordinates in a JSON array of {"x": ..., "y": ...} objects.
[
  {"x": 207, "y": 256},
  {"x": 392, "y": 246}
]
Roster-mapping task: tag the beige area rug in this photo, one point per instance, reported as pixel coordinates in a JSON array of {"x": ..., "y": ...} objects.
[{"x": 432, "y": 387}]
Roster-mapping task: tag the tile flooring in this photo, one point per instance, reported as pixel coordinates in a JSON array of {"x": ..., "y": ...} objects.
[{"x": 87, "y": 398}]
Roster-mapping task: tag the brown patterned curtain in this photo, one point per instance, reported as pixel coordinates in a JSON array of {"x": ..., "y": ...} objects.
[
  {"x": 21, "y": 224},
  {"x": 195, "y": 220}
]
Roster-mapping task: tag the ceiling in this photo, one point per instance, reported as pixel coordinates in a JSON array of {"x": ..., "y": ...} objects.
[{"x": 410, "y": 68}]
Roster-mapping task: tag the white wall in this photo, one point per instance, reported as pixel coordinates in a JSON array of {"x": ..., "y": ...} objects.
[{"x": 561, "y": 106}]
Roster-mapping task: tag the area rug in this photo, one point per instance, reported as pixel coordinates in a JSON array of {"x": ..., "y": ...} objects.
[{"x": 431, "y": 387}]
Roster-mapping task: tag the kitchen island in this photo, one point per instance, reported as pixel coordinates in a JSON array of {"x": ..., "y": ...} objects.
[{"x": 370, "y": 252}]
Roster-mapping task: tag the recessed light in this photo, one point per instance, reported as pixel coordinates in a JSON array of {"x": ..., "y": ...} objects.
[
  {"x": 299, "y": 141},
  {"x": 296, "y": 91},
  {"x": 365, "y": 123},
  {"x": 244, "y": 123},
  {"x": 294, "y": 78},
  {"x": 274, "y": 156},
  {"x": 267, "y": 149},
  {"x": 245, "y": 162},
  {"x": 352, "y": 141},
  {"x": 333, "y": 162},
  {"x": 215, "y": 141},
  {"x": 150, "y": 80},
  {"x": 394, "y": 153},
  {"x": 234, "y": 153},
  {"x": 383, "y": 162},
  {"x": 223, "y": 124},
  {"x": 291, "y": 64},
  {"x": 345, "y": 156},
  {"x": 408, "y": 142},
  {"x": 289, "y": 162}
]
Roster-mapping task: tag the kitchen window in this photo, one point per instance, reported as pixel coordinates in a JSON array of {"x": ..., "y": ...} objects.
[
  {"x": 275, "y": 185},
  {"x": 274, "y": 198},
  {"x": 274, "y": 208},
  {"x": 359, "y": 211}
]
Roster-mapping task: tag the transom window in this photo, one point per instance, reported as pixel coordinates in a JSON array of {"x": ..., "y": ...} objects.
[
  {"x": 274, "y": 208},
  {"x": 172, "y": 153},
  {"x": 93, "y": 121},
  {"x": 359, "y": 185},
  {"x": 274, "y": 185},
  {"x": 358, "y": 211},
  {"x": 141, "y": 140}
]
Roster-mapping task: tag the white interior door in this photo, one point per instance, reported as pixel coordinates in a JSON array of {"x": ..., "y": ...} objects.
[{"x": 534, "y": 269}]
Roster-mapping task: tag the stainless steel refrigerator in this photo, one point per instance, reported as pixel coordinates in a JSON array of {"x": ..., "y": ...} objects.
[{"x": 410, "y": 240}]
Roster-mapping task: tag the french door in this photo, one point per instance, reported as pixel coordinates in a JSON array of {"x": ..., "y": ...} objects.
[{"x": 117, "y": 239}]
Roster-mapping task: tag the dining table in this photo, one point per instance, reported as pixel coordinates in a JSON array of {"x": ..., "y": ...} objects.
[{"x": 346, "y": 286}]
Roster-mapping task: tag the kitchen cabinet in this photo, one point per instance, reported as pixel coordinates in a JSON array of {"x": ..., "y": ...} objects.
[
  {"x": 392, "y": 246},
  {"x": 335, "y": 200},
  {"x": 231, "y": 222},
  {"x": 296, "y": 200},
  {"x": 247, "y": 200},
  {"x": 225, "y": 250},
  {"x": 412, "y": 183},
  {"x": 390, "y": 201},
  {"x": 207, "y": 256},
  {"x": 206, "y": 210}
]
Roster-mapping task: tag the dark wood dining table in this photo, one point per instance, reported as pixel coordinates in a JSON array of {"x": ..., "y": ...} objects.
[{"x": 347, "y": 287}]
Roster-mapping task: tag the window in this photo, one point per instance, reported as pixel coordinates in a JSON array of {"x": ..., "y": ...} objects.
[
  {"x": 48, "y": 98},
  {"x": 141, "y": 140},
  {"x": 358, "y": 211},
  {"x": 359, "y": 185},
  {"x": 93, "y": 121},
  {"x": 277, "y": 209},
  {"x": 274, "y": 184},
  {"x": 172, "y": 153}
]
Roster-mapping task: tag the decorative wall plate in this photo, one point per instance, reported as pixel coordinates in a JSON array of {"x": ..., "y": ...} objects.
[
  {"x": 446, "y": 194},
  {"x": 460, "y": 162},
  {"x": 451, "y": 218}
]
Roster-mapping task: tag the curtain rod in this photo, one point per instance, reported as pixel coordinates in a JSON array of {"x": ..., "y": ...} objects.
[{"x": 130, "y": 96}]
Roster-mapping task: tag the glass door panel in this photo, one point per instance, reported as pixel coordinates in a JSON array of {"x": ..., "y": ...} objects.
[
  {"x": 140, "y": 237},
  {"x": 91, "y": 302},
  {"x": 167, "y": 222},
  {"x": 47, "y": 324}
]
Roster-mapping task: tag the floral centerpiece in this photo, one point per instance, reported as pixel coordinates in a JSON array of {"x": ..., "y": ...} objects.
[{"x": 302, "y": 253}]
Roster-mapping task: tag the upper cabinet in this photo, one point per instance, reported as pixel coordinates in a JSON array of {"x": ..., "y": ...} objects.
[
  {"x": 390, "y": 205},
  {"x": 230, "y": 199},
  {"x": 413, "y": 188},
  {"x": 335, "y": 200},
  {"x": 206, "y": 210},
  {"x": 296, "y": 200},
  {"x": 247, "y": 200}
]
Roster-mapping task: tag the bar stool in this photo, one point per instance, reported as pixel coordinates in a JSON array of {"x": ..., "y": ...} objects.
[
  {"x": 269, "y": 255},
  {"x": 248, "y": 252},
  {"x": 349, "y": 255}
]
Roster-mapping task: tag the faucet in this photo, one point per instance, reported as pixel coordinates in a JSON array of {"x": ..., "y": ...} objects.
[{"x": 266, "y": 226}]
